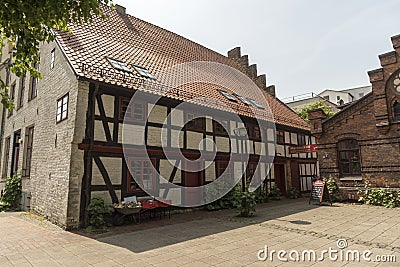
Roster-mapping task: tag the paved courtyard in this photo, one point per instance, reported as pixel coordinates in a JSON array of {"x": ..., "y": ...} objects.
[{"x": 221, "y": 239}]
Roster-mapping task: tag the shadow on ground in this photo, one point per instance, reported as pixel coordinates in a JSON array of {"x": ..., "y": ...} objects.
[{"x": 188, "y": 226}]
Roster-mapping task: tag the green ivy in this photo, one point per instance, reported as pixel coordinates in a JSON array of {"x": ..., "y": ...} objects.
[
  {"x": 333, "y": 188},
  {"x": 275, "y": 193},
  {"x": 245, "y": 202},
  {"x": 292, "y": 193},
  {"x": 261, "y": 195},
  {"x": 379, "y": 197},
  {"x": 97, "y": 210},
  {"x": 11, "y": 194}
]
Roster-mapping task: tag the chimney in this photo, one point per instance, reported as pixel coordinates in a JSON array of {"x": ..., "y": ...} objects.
[
  {"x": 120, "y": 9},
  {"x": 315, "y": 117}
]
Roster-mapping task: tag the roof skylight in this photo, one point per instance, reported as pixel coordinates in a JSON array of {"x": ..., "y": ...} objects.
[
  {"x": 227, "y": 95},
  {"x": 144, "y": 72},
  {"x": 255, "y": 103},
  {"x": 119, "y": 65},
  {"x": 242, "y": 99}
]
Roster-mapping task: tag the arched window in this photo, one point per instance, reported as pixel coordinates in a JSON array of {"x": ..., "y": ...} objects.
[
  {"x": 349, "y": 157},
  {"x": 396, "y": 111}
]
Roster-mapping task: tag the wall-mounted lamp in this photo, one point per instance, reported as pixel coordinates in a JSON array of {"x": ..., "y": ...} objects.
[{"x": 325, "y": 156}]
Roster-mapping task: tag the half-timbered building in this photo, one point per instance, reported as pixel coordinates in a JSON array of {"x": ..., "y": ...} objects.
[{"x": 66, "y": 136}]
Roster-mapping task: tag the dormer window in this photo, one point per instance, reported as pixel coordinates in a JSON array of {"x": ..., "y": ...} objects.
[
  {"x": 144, "y": 72},
  {"x": 255, "y": 103},
  {"x": 227, "y": 95},
  {"x": 119, "y": 65},
  {"x": 242, "y": 99}
]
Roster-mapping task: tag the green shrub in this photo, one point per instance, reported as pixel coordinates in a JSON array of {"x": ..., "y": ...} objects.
[
  {"x": 274, "y": 193},
  {"x": 293, "y": 193},
  {"x": 260, "y": 195},
  {"x": 11, "y": 194},
  {"x": 245, "y": 202},
  {"x": 333, "y": 188},
  {"x": 379, "y": 197},
  {"x": 225, "y": 202},
  {"x": 96, "y": 211}
]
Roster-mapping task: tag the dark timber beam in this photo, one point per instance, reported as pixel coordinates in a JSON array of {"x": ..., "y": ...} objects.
[
  {"x": 106, "y": 178},
  {"x": 104, "y": 118}
]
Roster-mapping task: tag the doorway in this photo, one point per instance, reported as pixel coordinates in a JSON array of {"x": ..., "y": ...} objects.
[
  {"x": 193, "y": 179},
  {"x": 280, "y": 177}
]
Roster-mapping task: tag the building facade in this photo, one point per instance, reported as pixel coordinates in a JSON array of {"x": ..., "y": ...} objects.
[
  {"x": 65, "y": 136},
  {"x": 362, "y": 142}
]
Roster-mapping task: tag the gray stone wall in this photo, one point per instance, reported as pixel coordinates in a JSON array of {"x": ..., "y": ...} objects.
[{"x": 53, "y": 142}]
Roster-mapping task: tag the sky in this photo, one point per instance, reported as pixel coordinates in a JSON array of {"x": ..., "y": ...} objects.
[{"x": 302, "y": 46}]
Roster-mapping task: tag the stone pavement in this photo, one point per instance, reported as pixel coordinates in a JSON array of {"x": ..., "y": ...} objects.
[{"x": 222, "y": 240}]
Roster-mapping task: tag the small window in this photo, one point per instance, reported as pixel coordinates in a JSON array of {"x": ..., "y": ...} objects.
[
  {"x": 21, "y": 92},
  {"x": 134, "y": 112},
  {"x": 396, "y": 111},
  {"x": 53, "y": 58},
  {"x": 280, "y": 137},
  {"x": 349, "y": 158},
  {"x": 326, "y": 97},
  {"x": 119, "y": 65},
  {"x": 255, "y": 103},
  {"x": 301, "y": 139},
  {"x": 142, "y": 171},
  {"x": 254, "y": 131},
  {"x": 62, "y": 108},
  {"x": 227, "y": 95},
  {"x": 221, "y": 127},
  {"x": 12, "y": 97},
  {"x": 338, "y": 97},
  {"x": 33, "y": 84},
  {"x": 144, "y": 72},
  {"x": 243, "y": 100},
  {"x": 194, "y": 123},
  {"x": 223, "y": 168}
]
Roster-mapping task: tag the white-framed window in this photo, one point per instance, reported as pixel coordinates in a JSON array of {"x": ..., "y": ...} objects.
[
  {"x": 144, "y": 72},
  {"x": 255, "y": 103},
  {"x": 227, "y": 95},
  {"x": 243, "y": 99},
  {"x": 119, "y": 65},
  {"x": 62, "y": 108},
  {"x": 53, "y": 58}
]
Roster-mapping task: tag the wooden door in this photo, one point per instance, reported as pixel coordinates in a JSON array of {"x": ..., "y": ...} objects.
[
  {"x": 295, "y": 171},
  {"x": 280, "y": 177},
  {"x": 193, "y": 179}
]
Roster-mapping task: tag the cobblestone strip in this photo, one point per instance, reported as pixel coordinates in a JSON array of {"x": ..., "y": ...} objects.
[{"x": 330, "y": 236}]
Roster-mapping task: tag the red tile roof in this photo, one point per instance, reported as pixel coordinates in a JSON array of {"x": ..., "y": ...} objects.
[{"x": 134, "y": 41}]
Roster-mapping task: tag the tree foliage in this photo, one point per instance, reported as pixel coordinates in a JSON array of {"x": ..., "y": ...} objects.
[
  {"x": 321, "y": 104},
  {"x": 26, "y": 23}
]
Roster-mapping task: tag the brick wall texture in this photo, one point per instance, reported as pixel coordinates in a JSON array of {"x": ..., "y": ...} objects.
[{"x": 372, "y": 123}]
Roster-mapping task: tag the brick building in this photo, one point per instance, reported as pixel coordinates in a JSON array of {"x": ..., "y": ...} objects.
[
  {"x": 65, "y": 137},
  {"x": 362, "y": 142}
]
